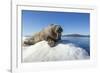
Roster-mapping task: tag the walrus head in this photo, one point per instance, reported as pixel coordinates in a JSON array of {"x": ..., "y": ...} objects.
[{"x": 57, "y": 30}]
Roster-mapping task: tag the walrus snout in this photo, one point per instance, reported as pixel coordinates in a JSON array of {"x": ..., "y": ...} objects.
[{"x": 59, "y": 30}]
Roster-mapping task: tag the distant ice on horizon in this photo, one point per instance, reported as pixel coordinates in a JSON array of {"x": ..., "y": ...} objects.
[{"x": 43, "y": 52}]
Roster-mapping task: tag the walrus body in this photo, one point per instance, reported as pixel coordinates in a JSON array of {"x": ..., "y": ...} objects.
[{"x": 52, "y": 34}]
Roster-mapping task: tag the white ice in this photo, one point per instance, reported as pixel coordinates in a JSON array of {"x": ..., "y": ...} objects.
[{"x": 61, "y": 52}]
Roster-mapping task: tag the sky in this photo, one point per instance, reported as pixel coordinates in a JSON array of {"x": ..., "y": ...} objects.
[{"x": 71, "y": 22}]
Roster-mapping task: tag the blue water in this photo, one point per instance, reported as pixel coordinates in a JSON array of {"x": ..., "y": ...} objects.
[{"x": 82, "y": 42}]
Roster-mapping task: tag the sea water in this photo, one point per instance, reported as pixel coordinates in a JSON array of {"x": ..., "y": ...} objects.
[{"x": 82, "y": 42}]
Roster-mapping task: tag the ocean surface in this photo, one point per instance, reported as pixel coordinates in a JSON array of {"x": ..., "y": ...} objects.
[{"x": 82, "y": 42}]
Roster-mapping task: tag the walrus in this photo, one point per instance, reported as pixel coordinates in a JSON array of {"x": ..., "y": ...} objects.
[{"x": 51, "y": 34}]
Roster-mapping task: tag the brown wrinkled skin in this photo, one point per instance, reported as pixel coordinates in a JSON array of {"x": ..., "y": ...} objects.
[{"x": 51, "y": 34}]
